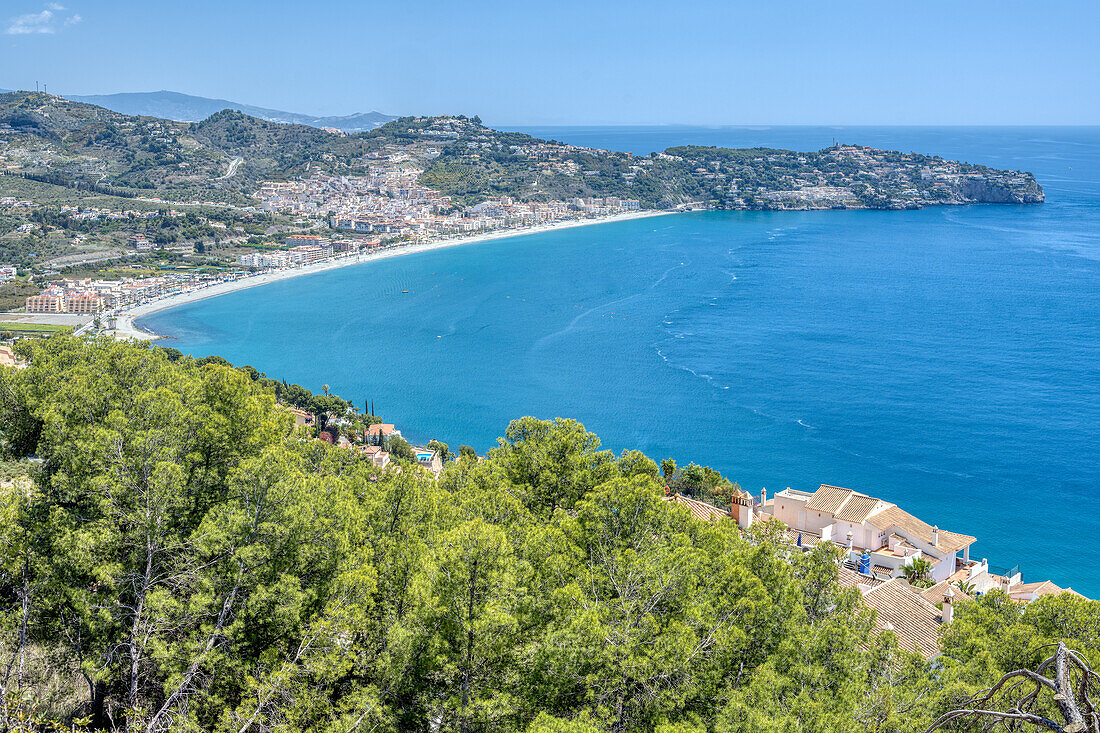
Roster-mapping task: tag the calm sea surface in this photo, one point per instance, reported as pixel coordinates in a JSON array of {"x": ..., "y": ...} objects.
[{"x": 946, "y": 359}]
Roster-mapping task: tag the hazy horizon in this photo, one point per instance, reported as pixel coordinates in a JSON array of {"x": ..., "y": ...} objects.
[{"x": 541, "y": 123}]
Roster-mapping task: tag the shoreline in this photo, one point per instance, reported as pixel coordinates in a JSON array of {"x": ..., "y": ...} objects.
[{"x": 126, "y": 328}]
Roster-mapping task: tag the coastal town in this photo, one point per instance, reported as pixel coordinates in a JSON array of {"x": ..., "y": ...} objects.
[
  {"x": 419, "y": 181},
  {"x": 110, "y": 305},
  {"x": 408, "y": 190},
  {"x": 391, "y": 203},
  {"x": 387, "y": 213}
]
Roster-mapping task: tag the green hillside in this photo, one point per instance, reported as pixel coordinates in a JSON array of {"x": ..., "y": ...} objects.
[
  {"x": 180, "y": 558},
  {"x": 61, "y": 141},
  {"x": 227, "y": 155}
]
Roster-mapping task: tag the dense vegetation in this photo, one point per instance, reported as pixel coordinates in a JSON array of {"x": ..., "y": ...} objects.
[
  {"x": 482, "y": 162},
  {"x": 184, "y": 559}
]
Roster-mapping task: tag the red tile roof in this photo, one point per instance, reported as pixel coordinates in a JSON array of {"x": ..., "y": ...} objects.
[
  {"x": 914, "y": 620},
  {"x": 828, "y": 499},
  {"x": 850, "y": 578},
  {"x": 857, "y": 508},
  {"x": 934, "y": 595},
  {"x": 1042, "y": 588},
  {"x": 699, "y": 509},
  {"x": 897, "y": 517}
]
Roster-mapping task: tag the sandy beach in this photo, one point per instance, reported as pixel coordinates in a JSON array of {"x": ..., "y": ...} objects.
[{"x": 126, "y": 329}]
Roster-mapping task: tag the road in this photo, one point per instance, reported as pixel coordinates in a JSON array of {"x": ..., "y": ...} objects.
[{"x": 233, "y": 166}]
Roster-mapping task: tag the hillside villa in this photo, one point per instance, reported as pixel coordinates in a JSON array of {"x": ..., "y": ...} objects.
[
  {"x": 880, "y": 540},
  {"x": 881, "y": 535}
]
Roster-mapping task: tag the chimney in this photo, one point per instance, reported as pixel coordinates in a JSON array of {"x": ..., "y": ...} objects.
[
  {"x": 849, "y": 540},
  {"x": 935, "y": 536},
  {"x": 1006, "y": 584},
  {"x": 948, "y": 612},
  {"x": 763, "y": 496}
]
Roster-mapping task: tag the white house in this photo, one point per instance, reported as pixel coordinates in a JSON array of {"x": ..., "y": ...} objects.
[{"x": 890, "y": 536}]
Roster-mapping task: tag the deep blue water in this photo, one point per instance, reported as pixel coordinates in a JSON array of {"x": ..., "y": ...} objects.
[{"x": 946, "y": 359}]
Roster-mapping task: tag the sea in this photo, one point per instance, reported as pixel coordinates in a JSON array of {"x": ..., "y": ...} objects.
[{"x": 947, "y": 359}]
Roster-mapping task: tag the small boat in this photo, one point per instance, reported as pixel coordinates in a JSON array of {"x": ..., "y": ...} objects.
[{"x": 404, "y": 291}]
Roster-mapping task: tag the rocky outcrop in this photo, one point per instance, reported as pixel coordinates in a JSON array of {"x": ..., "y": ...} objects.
[{"x": 1021, "y": 188}]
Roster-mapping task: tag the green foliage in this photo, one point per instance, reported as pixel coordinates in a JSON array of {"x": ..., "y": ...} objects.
[
  {"x": 919, "y": 573},
  {"x": 636, "y": 463},
  {"x": 442, "y": 448},
  {"x": 701, "y": 482},
  {"x": 998, "y": 634},
  {"x": 399, "y": 448},
  {"x": 993, "y": 635},
  {"x": 967, "y": 588},
  {"x": 183, "y": 560}
]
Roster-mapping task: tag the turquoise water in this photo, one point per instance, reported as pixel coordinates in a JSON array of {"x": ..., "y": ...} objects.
[{"x": 945, "y": 359}]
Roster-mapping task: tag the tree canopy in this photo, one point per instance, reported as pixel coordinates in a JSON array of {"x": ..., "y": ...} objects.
[{"x": 183, "y": 559}]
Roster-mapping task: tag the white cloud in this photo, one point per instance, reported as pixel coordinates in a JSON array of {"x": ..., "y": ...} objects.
[
  {"x": 42, "y": 22},
  {"x": 31, "y": 23}
]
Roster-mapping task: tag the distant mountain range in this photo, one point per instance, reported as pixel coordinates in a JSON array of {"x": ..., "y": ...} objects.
[{"x": 189, "y": 108}]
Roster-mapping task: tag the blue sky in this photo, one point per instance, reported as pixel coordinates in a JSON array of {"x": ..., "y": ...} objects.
[{"x": 566, "y": 62}]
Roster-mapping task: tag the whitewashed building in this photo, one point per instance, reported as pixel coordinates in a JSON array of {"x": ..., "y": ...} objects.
[{"x": 891, "y": 537}]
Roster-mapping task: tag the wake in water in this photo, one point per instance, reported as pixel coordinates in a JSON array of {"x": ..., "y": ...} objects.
[{"x": 602, "y": 309}]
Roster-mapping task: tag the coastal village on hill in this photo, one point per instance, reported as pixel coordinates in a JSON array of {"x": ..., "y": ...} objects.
[
  {"x": 125, "y": 210},
  {"x": 425, "y": 180}
]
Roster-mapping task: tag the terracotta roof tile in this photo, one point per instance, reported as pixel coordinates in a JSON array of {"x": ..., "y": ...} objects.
[
  {"x": 857, "y": 508},
  {"x": 1042, "y": 588},
  {"x": 809, "y": 539},
  {"x": 934, "y": 595},
  {"x": 850, "y": 578},
  {"x": 699, "y": 509},
  {"x": 897, "y": 517},
  {"x": 914, "y": 620},
  {"x": 828, "y": 499}
]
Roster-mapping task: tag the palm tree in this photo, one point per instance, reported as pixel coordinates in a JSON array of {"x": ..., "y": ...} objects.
[
  {"x": 967, "y": 588},
  {"x": 324, "y": 388},
  {"x": 917, "y": 572}
]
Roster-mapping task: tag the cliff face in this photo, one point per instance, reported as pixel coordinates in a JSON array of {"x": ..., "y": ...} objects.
[{"x": 1021, "y": 189}]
